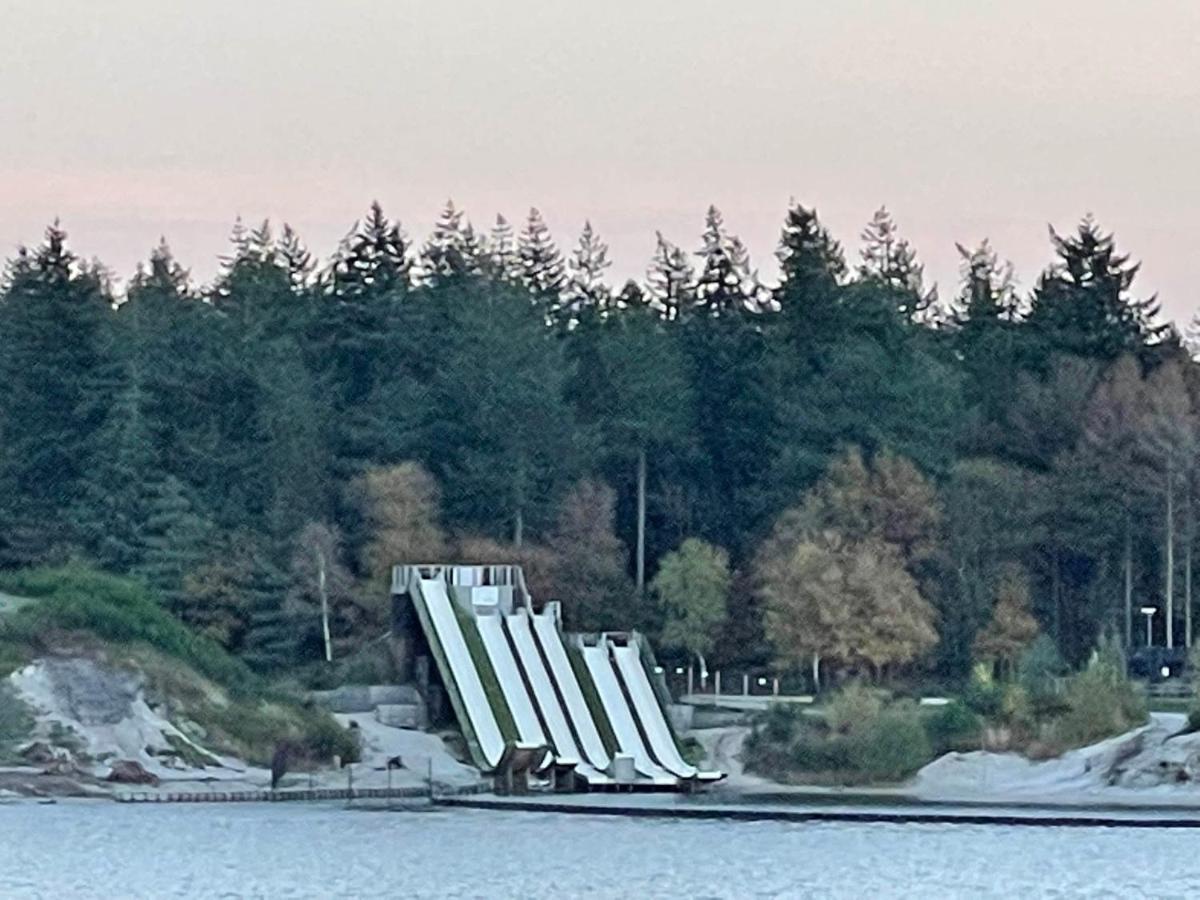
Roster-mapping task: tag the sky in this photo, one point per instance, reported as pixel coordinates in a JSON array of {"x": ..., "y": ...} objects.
[{"x": 134, "y": 119}]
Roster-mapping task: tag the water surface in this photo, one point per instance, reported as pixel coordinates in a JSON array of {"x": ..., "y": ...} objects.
[{"x": 285, "y": 850}]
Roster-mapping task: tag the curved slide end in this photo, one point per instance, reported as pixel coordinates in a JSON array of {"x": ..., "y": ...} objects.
[{"x": 600, "y": 668}]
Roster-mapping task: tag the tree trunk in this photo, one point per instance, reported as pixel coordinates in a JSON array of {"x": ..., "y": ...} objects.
[
  {"x": 1188, "y": 537},
  {"x": 323, "y": 591},
  {"x": 1128, "y": 566},
  {"x": 1170, "y": 557},
  {"x": 518, "y": 529},
  {"x": 641, "y": 521},
  {"x": 816, "y": 672}
]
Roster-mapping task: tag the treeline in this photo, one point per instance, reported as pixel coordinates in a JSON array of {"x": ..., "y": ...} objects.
[{"x": 886, "y": 477}]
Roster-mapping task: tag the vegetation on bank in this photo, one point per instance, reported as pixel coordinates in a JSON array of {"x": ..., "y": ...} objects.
[
  {"x": 856, "y": 453},
  {"x": 862, "y": 734},
  {"x": 211, "y": 696}
]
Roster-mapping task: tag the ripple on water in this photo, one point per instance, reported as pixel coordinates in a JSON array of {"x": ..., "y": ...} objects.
[{"x": 108, "y": 850}]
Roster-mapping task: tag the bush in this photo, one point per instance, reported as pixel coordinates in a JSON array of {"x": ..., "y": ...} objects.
[
  {"x": 1039, "y": 668},
  {"x": 954, "y": 726},
  {"x": 982, "y": 694},
  {"x": 891, "y": 746},
  {"x": 322, "y": 738},
  {"x": 852, "y": 706},
  {"x": 862, "y": 738},
  {"x": 779, "y": 722},
  {"x": 1101, "y": 703}
]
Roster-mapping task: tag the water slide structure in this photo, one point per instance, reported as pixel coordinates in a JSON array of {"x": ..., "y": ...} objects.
[{"x": 578, "y": 712}]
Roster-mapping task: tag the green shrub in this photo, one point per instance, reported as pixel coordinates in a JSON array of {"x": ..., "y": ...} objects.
[
  {"x": 954, "y": 726},
  {"x": 817, "y": 753},
  {"x": 322, "y": 738},
  {"x": 852, "y": 706},
  {"x": 1100, "y": 703},
  {"x": 982, "y": 694},
  {"x": 891, "y": 746},
  {"x": 1039, "y": 668},
  {"x": 779, "y": 722}
]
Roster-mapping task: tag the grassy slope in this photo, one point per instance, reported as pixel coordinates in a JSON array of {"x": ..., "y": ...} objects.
[{"x": 77, "y": 610}]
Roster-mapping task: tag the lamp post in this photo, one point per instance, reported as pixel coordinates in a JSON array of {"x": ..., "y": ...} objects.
[{"x": 1148, "y": 612}]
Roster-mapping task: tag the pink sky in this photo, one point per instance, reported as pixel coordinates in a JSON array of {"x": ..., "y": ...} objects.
[{"x": 129, "y": 120}]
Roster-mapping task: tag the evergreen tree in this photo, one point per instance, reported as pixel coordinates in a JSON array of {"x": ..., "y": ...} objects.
[
  {"x": 726, "y": 286},
  {"x": 503, "y": 261},
  {"x": 670, "y": 280},
  {"x": 111, "y": 512},
  {"x": 890, "y": 262},
  {"x": 453, "y": 251},
  {"x": 811, "y": 267},
  {"x": 176, "y": 540},
  {"x": 373, "y": 259},
  {"x": 542, "y": 270},
  {"x": 1082, "y": 303},
  {"x": 585, "y": 293},
  {"x": 295, "y": 259},
  {"x": 60, "y": 374},
  {"x": 988, "y": 336}
]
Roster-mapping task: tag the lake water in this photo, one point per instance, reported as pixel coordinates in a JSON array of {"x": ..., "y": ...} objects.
[{"x": 230, "y": 850}]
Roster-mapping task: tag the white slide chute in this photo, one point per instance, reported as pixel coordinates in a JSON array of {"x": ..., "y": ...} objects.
[
  {"x": 599, "y": 666},
  {"x": 546, "y": 629},
  {"x": 654, "y": 723},
  {"x": 462, "y": 668},
  {"x": 491, "y": 632},
  {"x": 566, "y": 751}
]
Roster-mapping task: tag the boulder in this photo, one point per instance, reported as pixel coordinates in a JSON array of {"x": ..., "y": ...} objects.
[
  {"x": 129, "y": 771},
  {"x": 39, "y": 753},
  {"x": 400, "y": 715}
]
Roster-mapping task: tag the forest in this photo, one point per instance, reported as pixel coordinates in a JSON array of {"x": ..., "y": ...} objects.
[{"x": 840, "y": 468}]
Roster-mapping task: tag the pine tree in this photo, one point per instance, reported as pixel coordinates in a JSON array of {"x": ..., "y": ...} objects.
[
  {"x": 503, "y": 261},
  {"x": 452, "y": 251},
  {"x": 670, "y": 280},
  {"x": 988, "y": 336},
  {"x": 296, "y": 260},
  {"x": 1082, "y": 303},
  {"x": 373, "y": 259},
  {"x": 60, "y": 375},
  {"x": 176, "y": 540},
  {"x": 586, "y": 293},
  {"x": 726, "y": 286},
  {"x": 808, "y": 256},
  {"x": 111, "y": 512},
  {"x": 890, "y": 262},
  {"x": 542, "y": 269}
]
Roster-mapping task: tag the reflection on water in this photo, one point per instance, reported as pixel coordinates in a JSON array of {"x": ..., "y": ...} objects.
[{"x": 109, "y": 850}]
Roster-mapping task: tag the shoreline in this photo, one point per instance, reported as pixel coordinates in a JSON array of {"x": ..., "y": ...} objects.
[{"x": 917, "y": 813}]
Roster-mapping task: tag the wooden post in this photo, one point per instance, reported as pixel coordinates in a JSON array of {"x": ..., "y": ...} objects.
[
  {"x": 717, "y": 683},
  {"x": 745, "y": 685},
  {"x": 775, "y": 687}
]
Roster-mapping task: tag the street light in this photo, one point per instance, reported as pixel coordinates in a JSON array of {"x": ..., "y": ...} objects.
[{"x": 1148, "y": 612}]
